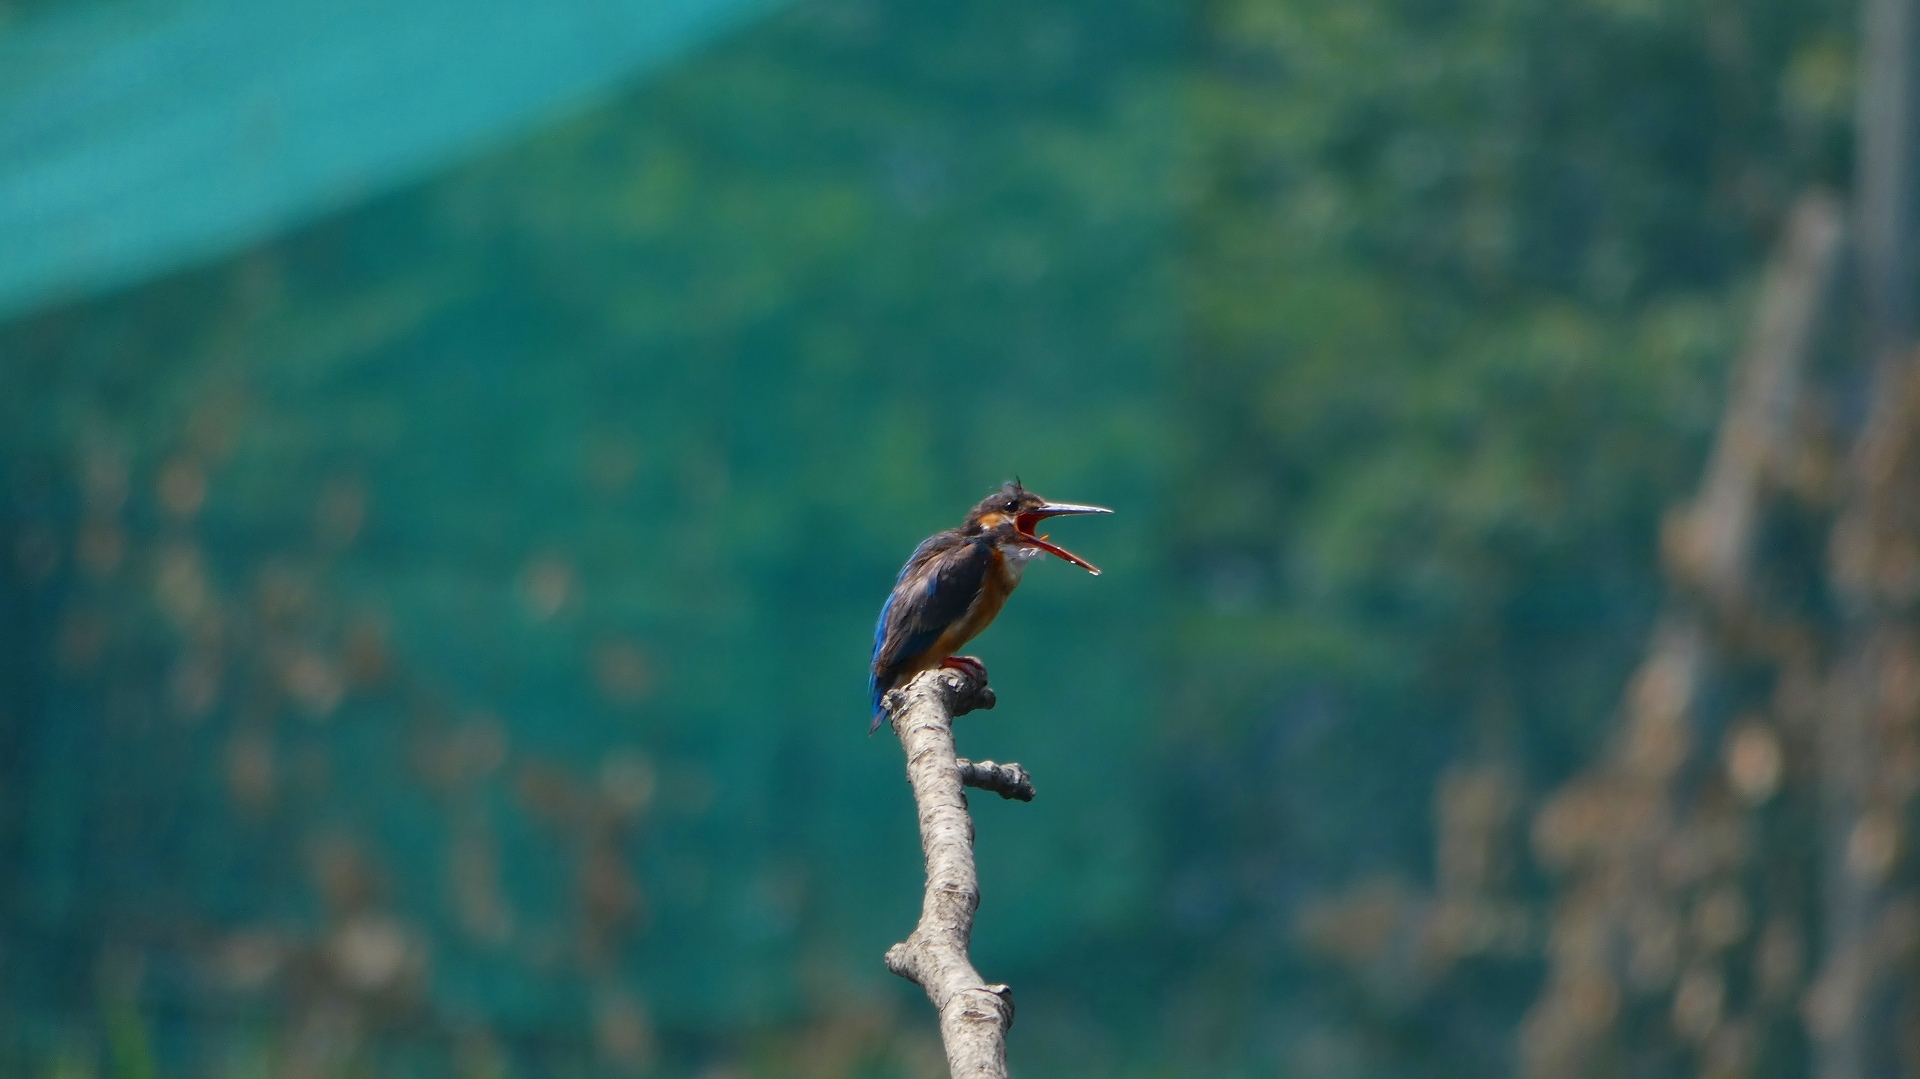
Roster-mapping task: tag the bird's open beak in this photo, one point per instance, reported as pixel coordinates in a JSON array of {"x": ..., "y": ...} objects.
[{"x": 1026, "y": 522}]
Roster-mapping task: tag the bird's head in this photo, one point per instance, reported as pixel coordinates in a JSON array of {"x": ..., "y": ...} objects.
[{"x": 1015, "y": 506}]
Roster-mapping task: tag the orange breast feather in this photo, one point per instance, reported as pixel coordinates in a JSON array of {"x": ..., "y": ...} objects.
[{"x": 995, "y": 587}]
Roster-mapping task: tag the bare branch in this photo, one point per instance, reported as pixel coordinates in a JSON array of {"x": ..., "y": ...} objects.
[
  {"x": 974, "y": 1016},
  {"x": 1709, "y": 544}
]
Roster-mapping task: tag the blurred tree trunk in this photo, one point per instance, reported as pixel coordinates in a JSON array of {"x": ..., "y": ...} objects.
[
  {"x": 1868, "y": 739},
  {"x": 1651, "y": 930},
  {"x": 1675, "y": 942}
]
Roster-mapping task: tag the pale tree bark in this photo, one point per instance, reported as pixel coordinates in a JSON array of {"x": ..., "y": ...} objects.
[{"x": 974, "y": 1016}]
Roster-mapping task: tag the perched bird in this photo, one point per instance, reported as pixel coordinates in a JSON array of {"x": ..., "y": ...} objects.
[{"x": 956, "y": 582}]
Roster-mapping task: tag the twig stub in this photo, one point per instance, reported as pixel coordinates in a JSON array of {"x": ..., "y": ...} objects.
[{"x": 1006, "y": 780}]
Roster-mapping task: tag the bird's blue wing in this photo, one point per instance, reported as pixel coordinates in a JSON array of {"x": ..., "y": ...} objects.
[
  {"x": 874, "y": 688},
  {"x": 934, "y": 590},
  {"x": 899, "y": 636}
]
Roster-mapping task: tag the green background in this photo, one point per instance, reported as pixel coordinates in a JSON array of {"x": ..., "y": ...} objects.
[{"x": 435, "y": 636}]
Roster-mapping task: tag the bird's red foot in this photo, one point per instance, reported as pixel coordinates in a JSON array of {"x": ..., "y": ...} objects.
[{"x": 968, "y": 664}]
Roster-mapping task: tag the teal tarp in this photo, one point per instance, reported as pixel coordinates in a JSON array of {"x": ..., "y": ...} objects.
[{"x": 138, "y": 137}]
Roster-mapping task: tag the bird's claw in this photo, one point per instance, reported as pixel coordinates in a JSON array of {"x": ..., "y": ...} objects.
[{"x": 968, "y": 664}]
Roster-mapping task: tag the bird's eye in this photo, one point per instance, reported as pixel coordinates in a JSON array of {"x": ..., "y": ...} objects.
[{"x": 1012, "y": 505}]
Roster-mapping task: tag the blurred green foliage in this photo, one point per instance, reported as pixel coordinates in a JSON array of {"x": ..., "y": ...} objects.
[
  {"x": 1463, "y": 285},
  {"x": 436, "y": 636}
]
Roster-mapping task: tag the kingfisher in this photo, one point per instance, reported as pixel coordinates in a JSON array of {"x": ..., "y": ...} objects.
[{"x": 956, "y": 582}]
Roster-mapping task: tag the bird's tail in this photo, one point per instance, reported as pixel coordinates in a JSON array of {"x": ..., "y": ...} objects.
[{"x": 877, "y": 686}]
